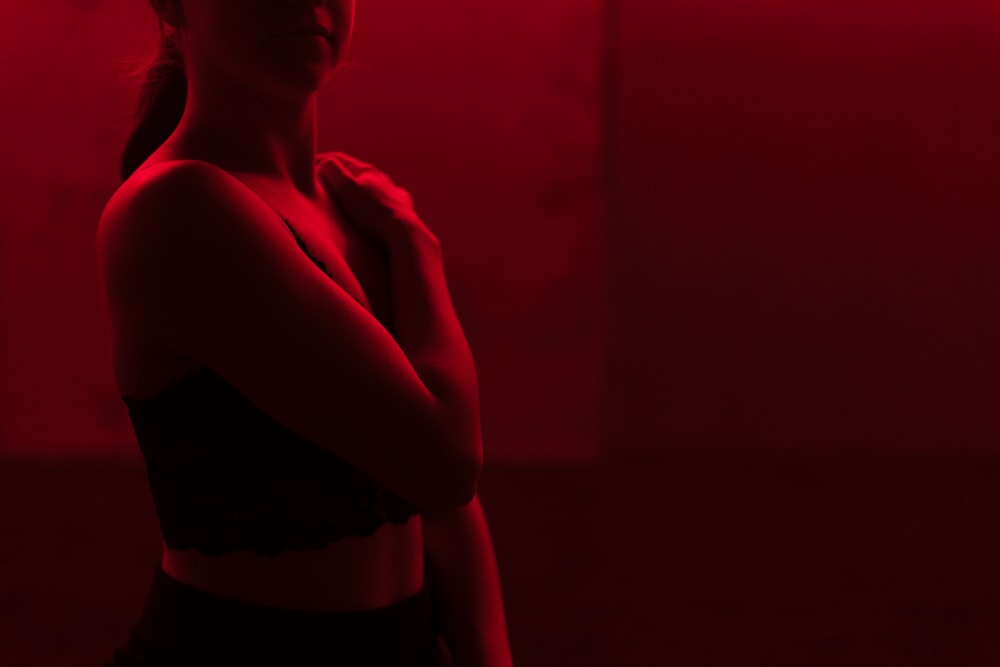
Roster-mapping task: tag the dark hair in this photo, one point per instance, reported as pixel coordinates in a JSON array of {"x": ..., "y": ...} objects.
[{"x": 162, "y": 96}]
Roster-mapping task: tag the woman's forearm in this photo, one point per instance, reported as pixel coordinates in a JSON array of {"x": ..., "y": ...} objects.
[
  {"x": 465, "y": 585},
  {"x": 428, "y": 331}
]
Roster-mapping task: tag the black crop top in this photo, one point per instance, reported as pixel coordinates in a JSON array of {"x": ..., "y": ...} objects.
[{"x": 225, "y": 476}]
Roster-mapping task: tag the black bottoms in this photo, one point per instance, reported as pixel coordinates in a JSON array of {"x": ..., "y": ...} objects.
[{"x": 185, "y": 626}]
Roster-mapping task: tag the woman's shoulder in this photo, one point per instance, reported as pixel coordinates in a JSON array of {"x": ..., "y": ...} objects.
[
  {"x": 162, "y": 181},
  {"x": 167, "y": 168},
  {"x": 178, "y": 201}
]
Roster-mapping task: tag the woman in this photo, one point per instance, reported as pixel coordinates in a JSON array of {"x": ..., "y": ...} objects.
[{"x": 309, "y": 418}]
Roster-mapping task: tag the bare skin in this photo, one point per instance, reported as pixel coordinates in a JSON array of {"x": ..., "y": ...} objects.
[
  {"x": 353, "y": 573},
  {"x": 252, "y": 111}
]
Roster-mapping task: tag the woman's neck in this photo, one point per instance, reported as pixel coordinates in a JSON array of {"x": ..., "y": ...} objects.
[{"x": 274, "y": 140}]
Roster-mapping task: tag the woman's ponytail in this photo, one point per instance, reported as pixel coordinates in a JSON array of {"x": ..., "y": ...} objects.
[{"x": 162, "y": 96}]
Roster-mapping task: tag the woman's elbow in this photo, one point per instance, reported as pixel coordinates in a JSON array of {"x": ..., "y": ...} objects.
[{"x": 456, "y": 490}]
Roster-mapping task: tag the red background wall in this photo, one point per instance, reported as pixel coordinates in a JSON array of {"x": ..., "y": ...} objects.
[
  {"x": 805, "y": 240},
  {"x": 799, "y": 252}
]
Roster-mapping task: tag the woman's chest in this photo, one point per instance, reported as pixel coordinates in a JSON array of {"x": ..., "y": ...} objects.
[
  {"x": 354, "y": 263},
  {"x": 357, "y": 265}
]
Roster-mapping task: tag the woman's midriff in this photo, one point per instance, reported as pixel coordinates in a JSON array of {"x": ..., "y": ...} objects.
[{"x": 352, "y": 574}]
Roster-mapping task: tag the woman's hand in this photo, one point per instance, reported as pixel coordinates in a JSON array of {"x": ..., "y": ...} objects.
[{"x": 378, "y": 208}]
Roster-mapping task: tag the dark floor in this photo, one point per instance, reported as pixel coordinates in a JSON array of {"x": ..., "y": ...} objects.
[{"x": 720, "y": 563}]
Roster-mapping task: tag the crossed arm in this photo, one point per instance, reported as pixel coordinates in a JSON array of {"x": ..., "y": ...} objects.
[{"x": 466, "y": 586}]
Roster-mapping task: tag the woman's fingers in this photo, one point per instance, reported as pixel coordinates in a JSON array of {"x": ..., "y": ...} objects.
[
  {"x": 354, "y": 166},
  {"x": 370, "y": 198},
  {"x": 344, "y": 170},
  {"x": 338, "y": 171}
]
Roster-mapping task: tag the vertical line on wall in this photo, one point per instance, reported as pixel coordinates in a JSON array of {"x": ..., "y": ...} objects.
[{"x": 609, "y": 421}]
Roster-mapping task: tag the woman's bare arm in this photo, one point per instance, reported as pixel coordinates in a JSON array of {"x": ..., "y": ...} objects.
[{"x": 196, "y": 263}]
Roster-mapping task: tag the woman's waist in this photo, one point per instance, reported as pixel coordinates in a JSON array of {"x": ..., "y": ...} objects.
[{"x": 351, "y": 574}]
